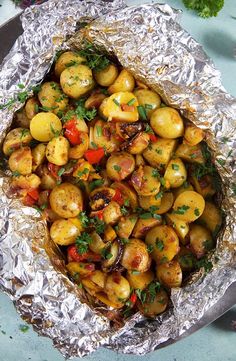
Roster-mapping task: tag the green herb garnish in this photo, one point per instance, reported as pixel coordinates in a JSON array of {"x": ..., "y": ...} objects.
[
  {"x": 82, "y": 242},
  {"x": 142, "y": 112}
]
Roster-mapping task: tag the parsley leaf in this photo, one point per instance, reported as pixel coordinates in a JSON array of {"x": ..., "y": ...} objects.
[
  {"x": 82, "y": 242},
  {"x": 181, "y": 210},
  {"x": 205, "y": 8},
  {"x": 95, "y": 59}
]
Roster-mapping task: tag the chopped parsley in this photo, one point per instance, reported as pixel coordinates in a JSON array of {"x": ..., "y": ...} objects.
[
  {"x": 61, "y": 171},
  {"x": 124, "y": 210},
  {"x": 82, "y": 242},
  {"x": 94, "y": 58},
  {"x": 82, "y": 172},
  {"x": 99, "y": 130},
  {"x": 126, "y": 202},
  {"x": 84, "y": 219},
  {"x": 98, "y": 225},
  {"x": 124, "y": 240},
  {"x": 116, "y": 102},
  {"x": 204, "y": 263},
  {"x": 148, "y": 106},
  {"x": 24, "y": 328},
  {"x": 142, "y": 112},
  {"x": 181, "y": 210},
  {"x": 148, "y": 129},
  {"x": 159, "y": 244},
  {"x": 159, "y": 195},
  {"x": 83, "y": 113},
  {"x": 150, "y": 248},
  {"x": 56, "y": 133},
  {"x": 106, "y": 254},
  {"x": 96, "y": 183},
  {"x": 196, "y": 212},
  {"x": 175, "y": 166},
  {"x": 153, "y": 288},
  {"x": 116, "y": 167},
  {"x": 155, "y": 173},
  {"x": 131, "y": 101}
]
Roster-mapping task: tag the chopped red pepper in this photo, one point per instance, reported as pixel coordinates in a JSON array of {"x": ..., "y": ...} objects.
[
  {"x": 133, "y": 298},
  {"x": 72, "y": 133},
  {"x": 28, "y": 201},
  {"x": 94, "y": 155},
  {"x": 73, "y": 255},
  {"x": 53, "y": 169},
  {"x": 153, "y": 137},
  {"x": 118, "y": 197},
  {"x": 33, "y": 193},
  {"x": 127, "y": 108}
]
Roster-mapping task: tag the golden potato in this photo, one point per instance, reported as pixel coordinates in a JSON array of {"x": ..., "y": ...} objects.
[
  {"x": 128, "y": 194},
  {"x": 144, "y": 225},
  {"x": 64, "y": 232},
  {"x": 39, "y": 155},
  {"x": 107, "y": 76},
  {"x": 189, "y": 206},
  {"x": 200, "y": 240},
  {"x": 124, "y": 83},
  {"x": 66, "y": 200},
  {"x": 52, "y": 98},
  {"x": 139, "y": 160},
  {"x": 67, "y": 59},
  {"x": 185, "y": 187},
  {"x": 136, "y": 256},
  {"x": 95, "y": 282},
  {"x": 180, "y": 227},
  {"x": 120, "y": 165},
  {"x": 191, "y": 154},
  {"x": 104, "y": 136},
  {"x": 114, "y": 250},
  {"x": 109, "y": 234},
  {"x": 20, "y": 161},
  {"x": 139, "y": 280},
  {"x": 31, "y": 107},
  {"x": 145, "y": 181},
  {"x": 165, "y": 243},
  {"x": 138, "y": 143},
  {"x": 154, "y": 305},
  {"x": 26, "y": 181},
  {"x": 77, "y": 269},
  {"x": 175, "y": 173},
  {"x": 120, "y": 107},
  {"x": 167, "y": 123},
  {"x": 78, "y": 151},
  {"x": 15, "y": 139},
  {"x": 186, "y": 259},
  {"x": 57, "y": 150},
  {"x": 204, "y": 185},
  {"x": 170, "y": 274},
  {"x": 167, "y": 201},
  {"x": 112, "y": 213},
  {"x": 21, "y": 118},
  {"x": 148, "y": 99},
  {"x": 76, "y": 80},
  {"x": 117, "y": 288},
  {"x": 125, "y": 226},
  {"x": 211, "y": 217},
  {"x": 97, "y": 243},
  {"x": 44, "y": 126},
  {"x": 158, "y": 153},
  {"x": 47, "y": 179},
  {"x": 100, "y": 197},
  {"x": 193, "y": 135},
  {"x": 94, "y": 100},
  {"x": 150, "y": 201}
]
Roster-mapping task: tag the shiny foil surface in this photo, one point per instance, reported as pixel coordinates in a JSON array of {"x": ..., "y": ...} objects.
[{"x": 148, "y": 41}]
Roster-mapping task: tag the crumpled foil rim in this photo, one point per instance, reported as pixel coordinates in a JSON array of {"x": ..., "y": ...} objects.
[{"x": 143, "y": 38}]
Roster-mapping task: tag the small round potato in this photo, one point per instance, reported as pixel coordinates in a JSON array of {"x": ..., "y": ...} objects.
[
  {"x": 116, "y": 108},
  {"x": 149, "y": 201},
  {"x": 170, "y": 274},
  {"x": 167, "y": 201},
  {"x": 145, "y": 182},
  {"x": 112, "y": 213},
  {"x": 104, "y": 136},
  {"x": 43, "y": 126},
  {"x": 31, "y": 107},
  {"x": 76, "y": 80},
  {"x": 167, "y": 123},
  {"x": 154, "y": 306},
  {"x": 189, "y": 206},
  {"x": 140, "y": 280},
  {"x": 107, "y": 76},
  {"x": 180, "y": 227},
  {"x": 78, "y": 151},
  {"x": 15, "y": 139},
  {"x": 52, "y": 97},
  {"x": 148, "y": 99},
  {"x": 165, "y": 243},
  {"x": 64, "y": 232},
  {"x": 211, "y": 217},
  {"x": 193, "y": 135},
  {"x": 124, "y": 83},
  {"x": 117, "y": 288},
  {"x": 57, "y": 150},
  {"x": 47, "y": 179},
  {"x": 26, "y": 181},
  {"x": 200, "y": 240},
  {"x": 136, "y": 256},
  {"x": 120, "y": 165},
  {"x": 21, "y": 161},
  {"x": 39, "y": 155},
  {"x": 175, "y": 173},
  {"x": 67, "y": 59},
  {"x": 159, "y": 153},
  {"x": 66, "y": 200}
]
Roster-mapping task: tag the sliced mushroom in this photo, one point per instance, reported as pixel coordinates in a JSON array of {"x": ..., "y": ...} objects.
[
  {"x": 115, "y": 250},
  {"x": 128, "y": 130},
  {"x": 101, "y": 197}
]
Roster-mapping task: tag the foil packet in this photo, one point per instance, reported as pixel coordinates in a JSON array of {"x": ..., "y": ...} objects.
[{"x": 149, "y": 41}]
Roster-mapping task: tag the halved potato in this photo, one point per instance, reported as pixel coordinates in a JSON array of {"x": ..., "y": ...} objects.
[{"x": 117, "y": 108}]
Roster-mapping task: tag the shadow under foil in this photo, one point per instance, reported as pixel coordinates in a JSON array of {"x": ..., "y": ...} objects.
[
  {"x": 226, "y": 322},
  {"x": 221, "y": 43}
]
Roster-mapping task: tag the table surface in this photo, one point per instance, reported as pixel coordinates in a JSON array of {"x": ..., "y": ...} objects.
[{"x": 213, "y": 343}]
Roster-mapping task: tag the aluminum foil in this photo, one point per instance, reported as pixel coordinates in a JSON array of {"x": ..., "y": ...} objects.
[{"x": 149, "y": 42}]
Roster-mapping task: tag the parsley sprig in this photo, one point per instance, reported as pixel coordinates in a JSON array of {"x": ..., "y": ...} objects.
[{"x": 95, "y": 59}]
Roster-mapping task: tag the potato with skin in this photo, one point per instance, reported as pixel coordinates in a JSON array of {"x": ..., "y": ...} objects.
[
  {"x": 80, "y": 268},
  {"x": 152, "y": 307},
  {"x": 148, "y": 97},
  {"x": 191, "y": 154},
  {"x": 120, "y": 165},
  {"x": 104, "y": 136},
  {"x": 47, "y": 180},
  {"x": 128, "y": 193},
  {"x": 66, "y": 200},
  {"x": 180, "y": 227},
  {"x": 116, "y": 108},
  {"x": 95, "y": 282},
  {"x": 136, "y": 256},
  {"x": 112, "y": 213},
  {"x": 167, "y": 201},
  {"x": 39, "y": 155},
  {"x": 67, "y": 59},
  {"x": 145, "y": 182},
  {"x": 175, "y": 173},
  {"x": 100, "y": 197},
  {"x": 185, "y": 187},
  {"x": 21, "y": 161},
  {"x": 146, "y": 202},
  {"x": 165, "y": 243},
  {"x": 193, "y": 135},
  {"x": 211, "y": 217},
  {"x": 78, "y": 151},
  {"x": 125, "y": 226},
  {"x": 52, "y": 97},
  {"x": 203, "y": 185},
  {"x": 107, "y": 76},
  {"x": 144, "y": 225},
  {"x": 44, "y": 126},
  {"x": 124, "y": 83},
  {"x": 139, "y": 160},
  {"x": 76, "y": 80},
  {"x": 117, "y": 288},
  {"x": 159, "y": 153},
  {"x": 21, "y": 119},
  {"x": 167, "y": 123},
  {"x": 15, "y": 139},
  {"x": 138, "y": 280},
  {"x": 31, "y": 107},
  {"x": 138, "y": 143},
  {"x": 189, "y": 206},
  {"x": 57, "y": 150},
  {"x": 26, "y": 181},
  {"x": 94, "y": 100},
  {"x": 169, "y": 274},
  {"x": 97, "y": 244},
  {"x": 200, "y": 240},
  {"x": 64, "y": 232}
]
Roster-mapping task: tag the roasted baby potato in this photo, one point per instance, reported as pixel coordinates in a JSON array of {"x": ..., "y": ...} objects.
[
  {"x": 200, "y": 240},
  {"x": 211, "y": 218},
  {"x": 44, "y": 126},
  {"x": 112, "y": 213},
  {"x": 15, "y": 139},
  {"x": 127, "y": 131},
  {"x": 175, "y": 173},
  {"x": 159, "y": 153},
  {"x": 180, "y": 227},
  {"x": 167, "y": 201},
  {"x": 128, "y": 193},
  {"x": 107, "y": 76},
  {"x": 101, "y": 197},
  {"x": 117, "y": 289},
  {"x": 136, "y": 256},
  {"x": 76, "y": 80},
  {"x": 154, "y": 305},
  {"x": 148, "y": 99},
  {"x": 67, "y": 59},
  {"x": 186, "y": 259},
  {"x": 203, "y": 185},
  {"x": 189, "y": 206},
  {"x": 144, "y": 225},
  {"x": 104, "y": 136},
  {"x": 97, "y": 243},
  {"x": 31, "y": 108},
  {"x": 120, "y": 107},
  {"x": 38, "y": 154},
  {"x": 57, "y": 150},
  {"x": 64, "y": 232},
  {"x": 124, "y": 83},
  {"x": 145, "y": 182},
  {"x": 48, "y": 181},
  {"x": 150, "y": 201},
  {"x": 170, "y": 274},
  {"x": 30, "y": 181},
  {"x": 21, "y": 119},
  {"x": 94, "y": 100},
  {"x": 191, "y": 154},
  {"x": 137, "y": 144},
  {"x": 20, "y": 161},
  {"x": 78, "y": 151},
  {"x": 140, "y": 280},
  {"x": 185, "y": 187},
  {"x": 66, "y": 200},
  {"x": 80, "y": 269},
  {"x": 125, "y": 226},
  {"x": 120, "y": 165},
  {"x": 52, "y": 98},
  {"x": 164, "y": 242},
  {"x": 193, "y": 135},
  {"x": 167, "y": 123}
]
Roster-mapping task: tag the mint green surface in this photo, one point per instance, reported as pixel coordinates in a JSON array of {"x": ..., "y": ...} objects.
[{"x": 216, "y": 342}]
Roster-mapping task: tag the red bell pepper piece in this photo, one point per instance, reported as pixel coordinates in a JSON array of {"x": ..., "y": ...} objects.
[
  {"x": 153, "y": 137},
  {"x": 72, "y": 133},
  {"x": 127, "y": 108},
  {"x": 53, "y": 169},
  {"x": 33, "y": 193},
  {"x": 118, "y": 197},
  {"x": 94, "y": 155},
  {"x": 73, "y": 255},
  {"x": 133, "y": 298},
  {"x": 31, "y": 197}
]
